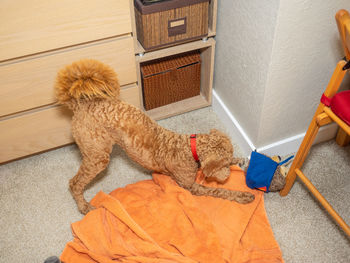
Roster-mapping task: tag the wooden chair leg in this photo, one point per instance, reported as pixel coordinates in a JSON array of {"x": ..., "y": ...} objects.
[
  {"x": 301, "y": 155},
  {"x": 343, "y": 138},
  {"x": 323, "y": 201},
  {"x": 332, "y": 88}
]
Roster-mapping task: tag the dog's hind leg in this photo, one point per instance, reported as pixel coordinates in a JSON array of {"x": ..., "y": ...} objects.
[
  {"x": 238, "y": 196},
  {"x": 94, "y": 162}
]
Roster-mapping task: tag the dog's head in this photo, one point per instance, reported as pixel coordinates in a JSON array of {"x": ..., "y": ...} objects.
[{"x": 218, "y": 156}]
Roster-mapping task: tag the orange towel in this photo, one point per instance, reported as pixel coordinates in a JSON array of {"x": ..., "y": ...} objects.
[{"x": 158, "y": 221}]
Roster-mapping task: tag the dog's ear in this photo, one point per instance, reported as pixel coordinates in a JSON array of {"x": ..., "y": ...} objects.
[
  {"x": 209, "y": 164},
  {"x": 215, "y": 168}
]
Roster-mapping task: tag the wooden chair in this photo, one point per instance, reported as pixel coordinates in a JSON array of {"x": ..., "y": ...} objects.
[{"x": 326, "y": 113}]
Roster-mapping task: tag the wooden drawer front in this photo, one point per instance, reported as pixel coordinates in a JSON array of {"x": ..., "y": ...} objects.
[
  {"x": 28, "y": 83},
  {"x": 34, "y": 132},
  {"x": 43, "y": 130},
  {"x": 131, "y": 95},
  {"x": 29, "y": 27}
]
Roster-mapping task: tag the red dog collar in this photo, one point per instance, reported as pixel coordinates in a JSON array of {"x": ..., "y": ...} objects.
[{"x": 194, "y": 148}]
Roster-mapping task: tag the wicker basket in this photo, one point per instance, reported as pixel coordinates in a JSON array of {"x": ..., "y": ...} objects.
[
  {"x": 168, "y": 22},
  {"x": 170, "y": 80}
]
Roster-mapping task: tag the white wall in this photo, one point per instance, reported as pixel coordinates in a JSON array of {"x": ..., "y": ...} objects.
[
  {"x": 245, "y": 33},
  {"x": 273, "y": 60}
]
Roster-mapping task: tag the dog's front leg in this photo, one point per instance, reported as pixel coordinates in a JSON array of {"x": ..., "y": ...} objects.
[
  {"x": 187, "y": 181},
  {"x": 238, "y": 196}
]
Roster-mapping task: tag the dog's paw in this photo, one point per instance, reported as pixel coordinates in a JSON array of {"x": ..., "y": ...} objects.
[
  {"x": 244, "y": 198},
  {"x": 86, "y": 208}
]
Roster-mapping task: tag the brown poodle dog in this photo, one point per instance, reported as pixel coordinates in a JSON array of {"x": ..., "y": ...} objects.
[{"x": 91, "y": 90}]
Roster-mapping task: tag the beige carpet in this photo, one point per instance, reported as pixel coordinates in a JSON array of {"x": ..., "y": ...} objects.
[{"x": 37, "y": 208}]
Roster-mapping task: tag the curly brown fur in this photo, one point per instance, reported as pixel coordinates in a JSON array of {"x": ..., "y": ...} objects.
[
  {"x": 86, "y": 80},
  {"x": 101, "y": 120},
  {"x": 278, "y": 180}
]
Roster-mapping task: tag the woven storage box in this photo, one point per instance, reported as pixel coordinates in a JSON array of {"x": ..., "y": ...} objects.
[
  {"x": 170, "y": 80},
  {"x": 168, "y": 22}
]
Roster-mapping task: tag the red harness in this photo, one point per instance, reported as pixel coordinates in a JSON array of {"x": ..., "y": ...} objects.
[{"x": 194, "y": 148}]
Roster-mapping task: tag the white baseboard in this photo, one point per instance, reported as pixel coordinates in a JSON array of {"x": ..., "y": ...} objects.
[
  {"x": 283, "y": 147},
  {"x": 291, "y": 144},
  {"x": 234, "y": 129}
]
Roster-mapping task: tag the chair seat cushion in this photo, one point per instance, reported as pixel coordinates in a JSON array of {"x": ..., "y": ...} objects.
[{"x": 340, "y": 105}]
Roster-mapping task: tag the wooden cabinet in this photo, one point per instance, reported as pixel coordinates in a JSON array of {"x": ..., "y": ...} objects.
[
  {"x": 38, "y": 38},
  {"x": 28, "y": 83},
  {"x": 29, "y": 27},
  {"x": 42, "y": 129}
]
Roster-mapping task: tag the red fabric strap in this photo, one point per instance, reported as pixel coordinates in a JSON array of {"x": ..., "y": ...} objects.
[
  {"x": 193, "y": 147},
  {"x": 326, "y": 100},
  {"x": 264, "y": 189},
  {"x": 339, "y": 104}
]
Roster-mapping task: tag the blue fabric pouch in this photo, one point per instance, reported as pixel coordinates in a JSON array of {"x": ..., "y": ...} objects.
[{"x": 261, "y": 170}]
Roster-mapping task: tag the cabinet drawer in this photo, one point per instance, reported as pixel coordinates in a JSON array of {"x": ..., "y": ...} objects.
[
  {"x": 35, "y": 132},
  {"x": 29, "y": 27},
  {"x": 28, "y": 83},
  {"x": 42, "y": 130},
  {"x": 131, "y": 94}
]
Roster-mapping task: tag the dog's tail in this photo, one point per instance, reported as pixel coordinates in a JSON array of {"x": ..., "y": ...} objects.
[{"x": 86, "y": 79}]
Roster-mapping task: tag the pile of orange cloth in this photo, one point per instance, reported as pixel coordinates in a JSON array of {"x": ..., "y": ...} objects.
[{"x": 158, "y": 221}]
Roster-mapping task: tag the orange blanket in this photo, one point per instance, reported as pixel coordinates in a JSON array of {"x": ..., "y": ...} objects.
[{"x": 158, "y": 221}]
